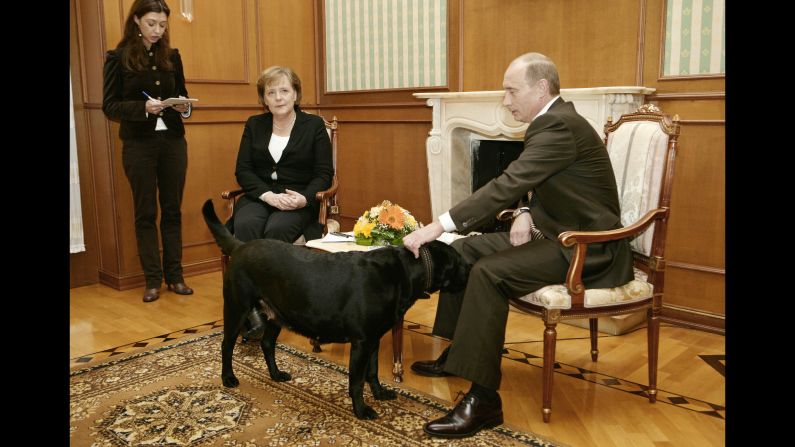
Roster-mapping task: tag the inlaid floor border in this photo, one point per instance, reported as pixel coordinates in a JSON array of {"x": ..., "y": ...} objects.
[
  {"x": 678, "y": 400},
  {"x": 616, "y": 383}
]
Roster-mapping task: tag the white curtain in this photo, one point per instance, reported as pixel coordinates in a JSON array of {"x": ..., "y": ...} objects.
[{"x": 76, "y": 242}]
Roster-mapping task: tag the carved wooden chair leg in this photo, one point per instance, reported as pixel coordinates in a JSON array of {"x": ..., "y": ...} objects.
[
  {"x": 653, "y": 338},
  {"x": 551, "y": 318},
  {"x": 315, "y": 345},
  {"x": 397, "y": 351},
  {"x": 593, "y": 323}
]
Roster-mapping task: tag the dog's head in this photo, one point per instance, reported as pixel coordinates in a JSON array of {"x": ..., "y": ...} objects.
[{"x": 449, "y": 271}]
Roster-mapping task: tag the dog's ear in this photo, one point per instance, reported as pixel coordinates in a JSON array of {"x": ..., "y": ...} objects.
[{"x": 451, "y": 268}]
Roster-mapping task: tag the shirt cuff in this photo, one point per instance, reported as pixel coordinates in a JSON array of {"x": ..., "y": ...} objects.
[{"x": 447, "y": 222}]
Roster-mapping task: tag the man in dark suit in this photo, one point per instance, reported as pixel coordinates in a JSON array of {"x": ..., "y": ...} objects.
[{"x": 565, "y": 166}]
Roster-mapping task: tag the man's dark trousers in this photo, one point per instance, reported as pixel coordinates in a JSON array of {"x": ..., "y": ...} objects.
[{"x": 475, "y": 319}]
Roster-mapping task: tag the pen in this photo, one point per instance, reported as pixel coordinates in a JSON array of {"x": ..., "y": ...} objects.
[
  {"x": 337, "y": 233},
  {"x": 147, "y": 95}
]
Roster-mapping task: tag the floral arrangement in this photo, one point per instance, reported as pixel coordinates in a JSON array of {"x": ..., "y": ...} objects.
[{"x": 385, "y": 224}]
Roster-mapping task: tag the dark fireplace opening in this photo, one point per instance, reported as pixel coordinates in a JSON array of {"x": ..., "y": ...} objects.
[{"x": 489, "y": 159}]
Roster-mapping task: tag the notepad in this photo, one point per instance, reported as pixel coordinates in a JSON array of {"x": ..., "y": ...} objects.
[{"x": 176, "y": 101}]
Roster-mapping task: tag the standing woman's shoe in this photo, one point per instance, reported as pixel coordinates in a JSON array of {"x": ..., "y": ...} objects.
[
  {"x": 151, "y": 295},
  {"x": 180, "y": 288}
]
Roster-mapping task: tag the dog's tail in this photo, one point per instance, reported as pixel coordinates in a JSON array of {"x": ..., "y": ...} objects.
[{"x": 223, "y": 237}]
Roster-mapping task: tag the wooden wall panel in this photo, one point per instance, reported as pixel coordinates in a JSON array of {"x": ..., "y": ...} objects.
[
  {"x": 287, "y": 38},
  {"x": 695, "y": 290},
  {"x": 695, "y": 280},
  {"x": 83, "y": 266},
  {"x": 214, "y": 46},
  {"x": 379, "y": 161},
  {"x": 592, "y": 44},
  {"x": 696, "y": 230}
]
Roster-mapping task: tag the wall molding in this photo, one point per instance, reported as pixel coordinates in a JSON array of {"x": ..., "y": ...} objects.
[
  {"x": 695, "y": 319},
  {"x": 704, "y": 122},
  {"x": 696, "y": 267},
  {"x": 686, "y": 95},
  {"x": 126, "y": 282}
]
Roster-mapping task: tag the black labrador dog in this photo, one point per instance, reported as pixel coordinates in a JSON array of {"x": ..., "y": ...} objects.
[{"x": 351, "y": 297}]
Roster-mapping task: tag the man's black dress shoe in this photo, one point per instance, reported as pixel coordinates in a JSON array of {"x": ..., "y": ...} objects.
[
  {"x": 470, "y": 416},
  {"x": 432, "y": 368},
  {"x": 180, "y": 288},
  {"x": 151, "y": 295}
]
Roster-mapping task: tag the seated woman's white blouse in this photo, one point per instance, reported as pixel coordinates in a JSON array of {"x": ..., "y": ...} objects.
[{"x": 276, "y": 148}]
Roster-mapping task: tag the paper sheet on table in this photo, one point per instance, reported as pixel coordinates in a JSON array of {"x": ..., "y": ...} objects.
[{"x": 334, "y": 238}]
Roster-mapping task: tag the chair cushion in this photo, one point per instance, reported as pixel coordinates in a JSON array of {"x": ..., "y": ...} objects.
[
  {"x": 557, "y": 296},
  {"x": 637, "y": 152}
]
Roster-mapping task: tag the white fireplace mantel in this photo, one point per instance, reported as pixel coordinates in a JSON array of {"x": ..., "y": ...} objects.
[{"x": 460, "y": 117}]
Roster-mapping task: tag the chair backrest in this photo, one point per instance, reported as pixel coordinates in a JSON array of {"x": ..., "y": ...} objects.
[
  {"x": 331, "y": 206},
  {"x": 331, "y": 128},
  {"x": 642, "y": 149}
]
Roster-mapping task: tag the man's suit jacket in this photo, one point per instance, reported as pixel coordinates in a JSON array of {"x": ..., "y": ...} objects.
[
  {"x": 305, "y": 166},
  {"x": 566, "y": 163}
]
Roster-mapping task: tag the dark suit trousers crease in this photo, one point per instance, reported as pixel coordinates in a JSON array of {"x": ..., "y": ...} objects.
[
  {"x": 152, "y": 164},
  {"x": 260, "y": 220},
  {"x": 475, "y": 319}
]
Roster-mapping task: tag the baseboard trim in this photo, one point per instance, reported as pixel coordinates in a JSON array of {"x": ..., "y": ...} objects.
[
  {"x": 137, "y": 280},
  {"x": 696, "y": 319}
]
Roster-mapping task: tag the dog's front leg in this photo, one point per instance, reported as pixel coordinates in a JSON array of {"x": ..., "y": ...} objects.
[
  {"x": 231, "y": 329},
  {"x": 361, "y": 352},
  {"x": 379, "y": 392},
  {"x": 268, "y": 345}
]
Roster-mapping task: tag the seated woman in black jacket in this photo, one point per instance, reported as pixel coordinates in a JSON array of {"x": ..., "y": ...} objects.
[{"x": 284, "y": 160}]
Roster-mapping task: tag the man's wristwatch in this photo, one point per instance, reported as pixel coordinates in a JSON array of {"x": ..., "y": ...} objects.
[{"x": 519, "y": 211}]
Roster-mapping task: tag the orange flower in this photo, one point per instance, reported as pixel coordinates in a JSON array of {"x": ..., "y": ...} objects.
[{"x": 392, "y": 216}]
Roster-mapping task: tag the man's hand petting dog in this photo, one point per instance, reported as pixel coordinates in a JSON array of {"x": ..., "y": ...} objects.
[{"x": 353, "y": 297}]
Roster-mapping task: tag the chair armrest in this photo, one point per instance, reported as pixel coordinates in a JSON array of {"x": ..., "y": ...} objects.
[
  {"x": 328, "y": 202},
  {"x": 328, "y": 193},
  {"x": 231, "y": 197},
  {"x": 227, "y": 195},
  {"x": 505, "y": 215},
  {"x": 581, "y": 239}
]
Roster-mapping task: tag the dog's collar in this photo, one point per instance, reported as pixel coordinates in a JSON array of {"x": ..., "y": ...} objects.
[{"x": 426, "y": 260}]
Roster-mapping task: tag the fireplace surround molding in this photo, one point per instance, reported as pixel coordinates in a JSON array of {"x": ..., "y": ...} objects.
[{"x": 461, "y": 117}]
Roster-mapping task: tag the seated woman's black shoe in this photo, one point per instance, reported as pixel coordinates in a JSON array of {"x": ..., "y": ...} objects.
[
  {"x": 432, "y": 368},
  {"x": 257, "y": 326}
]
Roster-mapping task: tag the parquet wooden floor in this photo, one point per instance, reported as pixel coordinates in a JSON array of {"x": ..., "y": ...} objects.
[{"x": 594, "y": 403}]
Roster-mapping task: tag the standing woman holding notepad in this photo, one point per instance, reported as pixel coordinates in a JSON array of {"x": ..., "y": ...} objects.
[{"x": 138, "y": 74}]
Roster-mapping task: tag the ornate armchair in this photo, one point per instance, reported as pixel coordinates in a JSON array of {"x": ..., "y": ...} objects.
[
  {"x": 328, "y": 203},
  {"x": 642, "y": 149}
]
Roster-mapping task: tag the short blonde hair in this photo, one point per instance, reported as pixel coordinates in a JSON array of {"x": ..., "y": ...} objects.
[{"x": 272, "y": 74}]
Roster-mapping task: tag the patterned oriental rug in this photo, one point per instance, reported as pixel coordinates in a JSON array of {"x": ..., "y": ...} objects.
[{"x": 172, "y": 396}]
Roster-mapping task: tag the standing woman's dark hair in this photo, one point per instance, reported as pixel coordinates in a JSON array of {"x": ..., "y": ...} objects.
[
  {"x": 138, "y": 74},
  {"x": 134, "y": 56}
]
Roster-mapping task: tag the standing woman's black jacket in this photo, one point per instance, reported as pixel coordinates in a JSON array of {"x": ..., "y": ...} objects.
[{"x": 123, "y": 99}]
